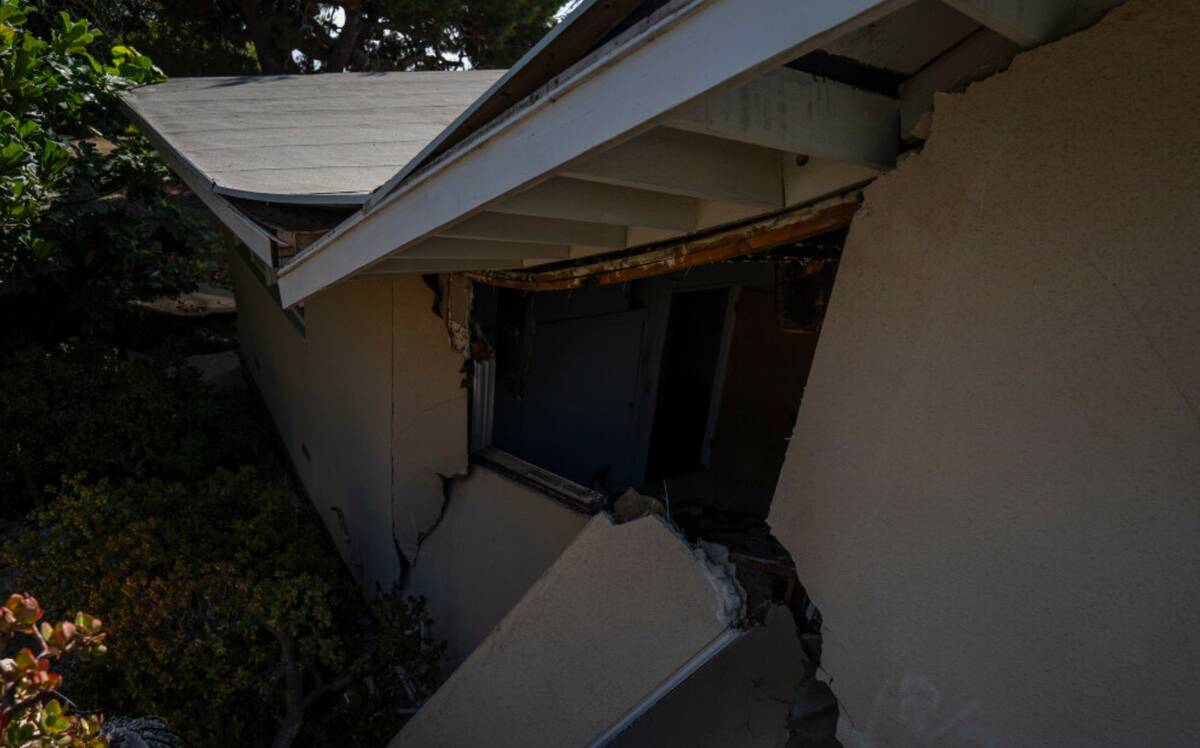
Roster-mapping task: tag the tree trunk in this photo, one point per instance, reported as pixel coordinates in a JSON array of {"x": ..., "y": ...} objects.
[
  {"x": 293, "y": 687},
  {"x": 347, "y": 41},
  {"x": 260, "y": 27}
]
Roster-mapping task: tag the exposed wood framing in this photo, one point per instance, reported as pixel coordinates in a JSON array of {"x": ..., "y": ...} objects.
[
  {"x": 797, "y": 112},
  {"x": 692, "y": 165},
  {"x": 574, "y": 199},
  {"x": 668, "y": 59},
  {"x": 668, "y": 257},
  {"x": 1026, "y": 23},
  {"x": 520, "y": 228}
]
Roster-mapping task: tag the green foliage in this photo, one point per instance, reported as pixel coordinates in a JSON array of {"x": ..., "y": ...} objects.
[
  {"x": 225, "y": 604},
  {"x": 30, "y": 713},
  {"x": 80, "y": 407},
  {"x": 86, "y": 218}
]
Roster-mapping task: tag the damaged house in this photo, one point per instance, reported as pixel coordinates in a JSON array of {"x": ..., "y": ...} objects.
[{"x": 748, "y": 372}]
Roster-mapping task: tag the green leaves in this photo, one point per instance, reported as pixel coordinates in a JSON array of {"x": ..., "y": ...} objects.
[
  {"x": 28, "y": 714},
  {"x": 84, "y": 223}
]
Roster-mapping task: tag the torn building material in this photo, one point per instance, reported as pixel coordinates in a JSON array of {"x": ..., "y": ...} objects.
[
  {"x": 674, "y": 255},
  {"x": 614, "y": 619}
]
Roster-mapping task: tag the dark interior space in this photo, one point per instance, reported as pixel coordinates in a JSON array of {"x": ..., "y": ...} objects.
[
  {"x": 687, "y": 378},
  {"x": 685, "y": 387}
]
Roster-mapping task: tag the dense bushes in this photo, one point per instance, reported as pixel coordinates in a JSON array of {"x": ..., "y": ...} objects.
[
  {"x": 89, "y": 216},
  {"x": 228, "y": 611},
  {"x": 230, "y": 616},
  {"x": 81, "y": 408}
]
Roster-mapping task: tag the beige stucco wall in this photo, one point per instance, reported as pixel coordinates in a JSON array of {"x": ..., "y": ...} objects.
[
  {"x": 497, "y": 538},
  {"x": 993, "y": 490}
]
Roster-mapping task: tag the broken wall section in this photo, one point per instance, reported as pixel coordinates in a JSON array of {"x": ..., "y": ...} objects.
[
  {"x": 496, "y": 538},
  {"x": 623, "y": 609},
  {"x": 991, "y": 492}
]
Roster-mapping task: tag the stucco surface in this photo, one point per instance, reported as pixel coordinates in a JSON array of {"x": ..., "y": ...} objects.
[
  {"x": 993, "y": 489},
  {"x": 276, "y": 355},
  {"x": 348, "y": 430},
  {"x": 368, "y": 401},
  {"x": 428, "y": 412},
  {"x": 623, "y": 608},
  {"x": 497, "y": 538}
]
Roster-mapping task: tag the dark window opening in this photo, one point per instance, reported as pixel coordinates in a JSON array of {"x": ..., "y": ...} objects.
[{"x": 685, "y": 387}]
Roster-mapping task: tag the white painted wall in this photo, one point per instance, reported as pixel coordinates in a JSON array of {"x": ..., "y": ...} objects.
[{"x": 993, "y": 490}]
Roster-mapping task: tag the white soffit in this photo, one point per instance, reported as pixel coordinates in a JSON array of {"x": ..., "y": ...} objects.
[
  {"x": 687, "y": 49},
  {"x": 326, "y": 139}
]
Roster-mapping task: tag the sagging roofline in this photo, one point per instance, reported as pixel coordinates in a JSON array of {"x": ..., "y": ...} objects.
[{"x": 586, "y": 109}]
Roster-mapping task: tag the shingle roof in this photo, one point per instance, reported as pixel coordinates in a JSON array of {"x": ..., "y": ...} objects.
[{"x": 329, "y": 138}]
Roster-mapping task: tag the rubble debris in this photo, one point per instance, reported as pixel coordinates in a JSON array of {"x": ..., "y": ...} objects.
[{"x": 632, "y": 505}]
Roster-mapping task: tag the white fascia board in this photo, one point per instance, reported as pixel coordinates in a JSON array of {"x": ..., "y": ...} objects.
[
  {"x": 256, "y": 238},
  {"x": 683, "y": 53}
]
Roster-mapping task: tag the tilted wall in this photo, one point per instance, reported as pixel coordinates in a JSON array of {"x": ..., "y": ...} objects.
[
  {"x": 496, "y": 538},
  {"x": 993, "y": 489}
]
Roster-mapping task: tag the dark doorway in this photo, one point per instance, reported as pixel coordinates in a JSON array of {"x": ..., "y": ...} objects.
[{"x": 686, "y": 381}]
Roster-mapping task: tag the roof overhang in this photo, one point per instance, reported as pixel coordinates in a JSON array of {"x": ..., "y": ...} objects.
[
  {"x": 704, "y": 113},
  {"x": 669, "y": 59},
  {"x": 632, "y": 125}
]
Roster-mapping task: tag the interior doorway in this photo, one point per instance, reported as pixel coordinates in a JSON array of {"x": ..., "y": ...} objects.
[{"x": 688, "y": 382}]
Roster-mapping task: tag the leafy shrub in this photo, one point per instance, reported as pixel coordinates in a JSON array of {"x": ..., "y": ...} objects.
[
  {"x": 87, "y": 215},
  {"x": 30, "y": 712},
  {"x": 231, "y": 617},
  {"x": 81, "y": 408}
]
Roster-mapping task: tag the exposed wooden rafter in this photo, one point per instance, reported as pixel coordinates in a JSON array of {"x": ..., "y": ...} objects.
[
  {"x": 574, "y": 199},
  {"x": 684, "y": 163},
  {"x": 796, "y": 112},
  {"x": 667, "y": 257}
]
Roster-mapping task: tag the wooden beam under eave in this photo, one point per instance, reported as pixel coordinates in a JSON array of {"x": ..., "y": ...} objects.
[
  {"x": 758, "y": 236},
  {"x": 689, "y": 164},
  {"x": 1028, "y": 23},
  {"x": 798, "y": 113},
  {"x": 392, "y": 267},
  {"x": 510, "y": 227},
  {"x": 578, "y": 200},
  {"x": 445, "y": 248}
]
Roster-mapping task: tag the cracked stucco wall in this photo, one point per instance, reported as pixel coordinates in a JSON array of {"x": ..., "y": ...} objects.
[
  {"x": 497, "y": 538},
  {"x": 993, "y": 489},
  {"x": 370, "y": 405}
]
